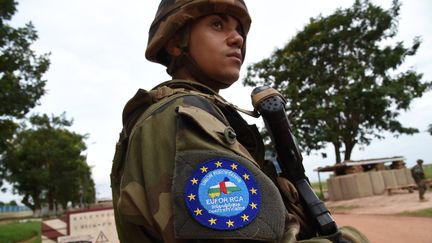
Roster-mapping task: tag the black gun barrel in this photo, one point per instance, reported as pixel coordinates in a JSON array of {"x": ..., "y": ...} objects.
[{"x": 271, "y": 105}]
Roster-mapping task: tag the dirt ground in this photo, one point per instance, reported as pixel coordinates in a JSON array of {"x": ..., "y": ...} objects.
[
  {"x": 377, "y": 217},
  {"x": 389, "y": 228},
  {"x": 400, "y": 201}
]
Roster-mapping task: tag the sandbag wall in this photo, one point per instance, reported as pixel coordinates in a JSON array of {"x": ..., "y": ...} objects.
[{"x": 367, "y": 183}]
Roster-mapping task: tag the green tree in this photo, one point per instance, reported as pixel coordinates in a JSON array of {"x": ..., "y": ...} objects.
[
  {"x": 46, "y": 163},
  {"x": 341, "y": 80},
  {"x": 21, "y": 71}
]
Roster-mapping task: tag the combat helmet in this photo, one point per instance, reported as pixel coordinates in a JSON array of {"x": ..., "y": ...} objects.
[{"x": 172, "y": 15}]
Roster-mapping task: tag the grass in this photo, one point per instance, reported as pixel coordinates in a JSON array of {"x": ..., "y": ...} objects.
[
  {"x": 420, "y": 213},
  {"x": 17, "y": 232}
]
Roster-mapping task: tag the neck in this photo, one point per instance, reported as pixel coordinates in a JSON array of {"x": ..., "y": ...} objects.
[{"x": 183, "y": 73}]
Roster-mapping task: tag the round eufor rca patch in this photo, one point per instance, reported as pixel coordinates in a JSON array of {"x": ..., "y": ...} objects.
[{"x": 222, "y": 194}]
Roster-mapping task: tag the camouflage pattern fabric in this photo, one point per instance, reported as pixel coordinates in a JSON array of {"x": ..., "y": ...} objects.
[
  {"x": 142, "y": 178},
  {"x": 172, "y": 15}
]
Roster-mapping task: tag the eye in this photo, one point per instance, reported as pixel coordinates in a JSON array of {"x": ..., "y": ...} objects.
[{"x": 217, "y": 24}]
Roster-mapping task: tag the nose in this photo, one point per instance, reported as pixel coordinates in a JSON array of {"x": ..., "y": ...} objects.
[{"x": 235, "y": 39}]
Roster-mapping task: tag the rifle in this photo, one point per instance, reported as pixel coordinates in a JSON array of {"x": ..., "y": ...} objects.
[{"x": 271, "y": 105}]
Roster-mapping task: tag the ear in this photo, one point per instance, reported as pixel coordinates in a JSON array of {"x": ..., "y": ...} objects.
[{"x": 172, "y": 47}]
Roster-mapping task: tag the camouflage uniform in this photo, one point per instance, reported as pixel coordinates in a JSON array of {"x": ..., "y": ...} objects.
[
  {"x": 175, "y": 133},
  {"x": 178, "y": 130}
]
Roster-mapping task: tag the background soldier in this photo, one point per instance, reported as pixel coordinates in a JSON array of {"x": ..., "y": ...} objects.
[{"x": 419, "y": 178}]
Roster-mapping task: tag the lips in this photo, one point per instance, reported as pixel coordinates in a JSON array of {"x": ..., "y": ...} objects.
[{"x": 237, "y": 55}]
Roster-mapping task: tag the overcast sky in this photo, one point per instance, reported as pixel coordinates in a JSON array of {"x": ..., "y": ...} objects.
[{"x": 97, "y": 63}]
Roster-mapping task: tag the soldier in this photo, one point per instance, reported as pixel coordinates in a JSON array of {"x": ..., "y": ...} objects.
[
  {"x": 187, "y": 167},
  {"x": 419, "y": 178}
]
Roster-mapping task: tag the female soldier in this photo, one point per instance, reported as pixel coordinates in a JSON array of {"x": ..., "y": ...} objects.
[{"x": 188, "y": 167}]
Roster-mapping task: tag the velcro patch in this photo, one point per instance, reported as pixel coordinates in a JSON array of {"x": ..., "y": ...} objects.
[{"x": 222, "y": 194}]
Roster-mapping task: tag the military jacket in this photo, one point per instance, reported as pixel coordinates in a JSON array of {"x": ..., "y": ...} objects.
[{"x": 190, "y": 169}]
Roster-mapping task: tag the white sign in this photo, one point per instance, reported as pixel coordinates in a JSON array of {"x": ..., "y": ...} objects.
[{"x": 99, "y": 225}]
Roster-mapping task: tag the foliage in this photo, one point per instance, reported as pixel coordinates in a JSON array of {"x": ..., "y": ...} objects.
[
  {"x": 18, "y": 232},
  {"x": 21, "y": 71},
  {"x": 46, "y": 163},
  {"x": 341, "y": 80},
  {"x": 430, "y": 129},
  {"x": 12, "y": 203}
]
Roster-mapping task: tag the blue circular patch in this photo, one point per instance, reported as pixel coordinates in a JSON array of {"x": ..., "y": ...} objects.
[{"x": 222, "y": 194}]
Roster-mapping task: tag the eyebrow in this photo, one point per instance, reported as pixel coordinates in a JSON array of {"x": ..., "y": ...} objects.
[
  {"x": 225, "y": 17},
  {"x": 222, "y": 16}
]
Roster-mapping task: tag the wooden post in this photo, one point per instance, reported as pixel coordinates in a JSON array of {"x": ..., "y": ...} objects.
[{"x": 320, "y": 186}]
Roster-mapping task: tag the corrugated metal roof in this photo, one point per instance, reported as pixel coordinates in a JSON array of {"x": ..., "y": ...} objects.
[{"x": 359, "y": 162}]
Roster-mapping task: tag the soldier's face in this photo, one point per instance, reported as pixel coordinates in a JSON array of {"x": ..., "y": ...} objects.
[{"x": 215, "y": 44}]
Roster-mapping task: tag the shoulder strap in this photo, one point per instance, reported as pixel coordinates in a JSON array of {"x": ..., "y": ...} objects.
[{"x": 196, "y": 88}]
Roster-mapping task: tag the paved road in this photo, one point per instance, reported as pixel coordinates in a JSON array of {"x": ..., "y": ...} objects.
[{"x": 387, "y": 228}]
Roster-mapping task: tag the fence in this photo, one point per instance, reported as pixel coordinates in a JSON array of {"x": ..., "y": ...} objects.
[{"x": 13, "y": 209}]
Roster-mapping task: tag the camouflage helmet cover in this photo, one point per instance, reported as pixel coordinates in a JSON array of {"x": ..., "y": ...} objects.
[{"x": 174, "y": 14}]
